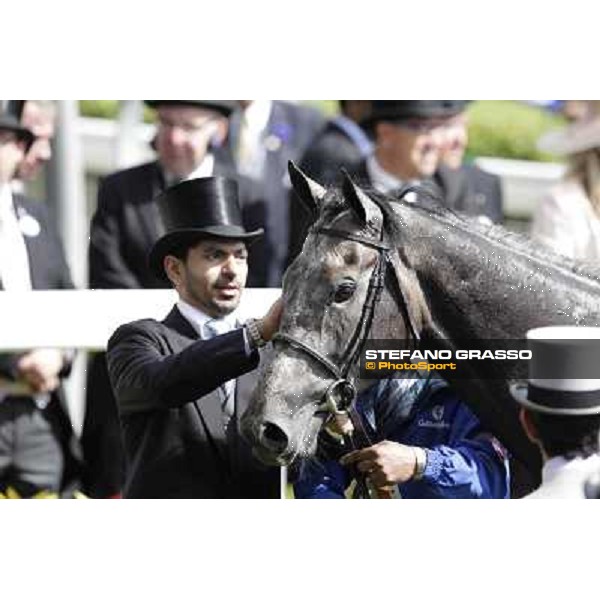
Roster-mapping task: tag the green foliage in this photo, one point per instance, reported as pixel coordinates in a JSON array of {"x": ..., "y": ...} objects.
[
  {"x": 108, "y": 109},
  {"x": 102, "y": 109},
  {"x": 509, "y": 129}
]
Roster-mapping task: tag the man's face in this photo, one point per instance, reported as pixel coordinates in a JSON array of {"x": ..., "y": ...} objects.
[
  {"x": 456, "y": 141},
  {"x": 183, "y": 136},
  {"x": 410, "y": 149},
  {"x": 41, "y": 123},
  {"x": 12, "y": 152},
  {"x": 212, "y": 277}
]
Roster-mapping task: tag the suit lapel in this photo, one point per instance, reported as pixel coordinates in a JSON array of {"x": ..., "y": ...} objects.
[{"x": 209, "y": 406}]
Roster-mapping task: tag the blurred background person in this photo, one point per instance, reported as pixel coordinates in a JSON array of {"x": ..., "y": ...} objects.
[
  {"x": 567, "y": 219},
  {"x": 124, "y": 228},
  {"x": 126, "y": 222},
  {"x": 38, "y": 449},
  {"x": 264, "y": 136},
  {"x": 467, "y": 187},
  {"x": 409, "y": 137}
]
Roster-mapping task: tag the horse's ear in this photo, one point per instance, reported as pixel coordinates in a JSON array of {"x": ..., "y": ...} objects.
[
  {"x": 309, "y": 192},
  {"x": 365, "y": 209}
]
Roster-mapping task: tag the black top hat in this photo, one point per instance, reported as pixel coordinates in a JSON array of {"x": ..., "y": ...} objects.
[
  {"x": 564, "y": 372},
  {"x": 197, "y": 209},
  {"x": 10, "y": 118},
  {"x": 224, "y": 107},
  {"x": 401, "y": 110}
]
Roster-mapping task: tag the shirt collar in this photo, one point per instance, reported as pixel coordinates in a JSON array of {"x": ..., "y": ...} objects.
[
  {"x": 381, "y": 180},
  {"x": 204, "y": 169},
  {"x": 198, "y": 319},
  {"x": 385, "y": 182}
]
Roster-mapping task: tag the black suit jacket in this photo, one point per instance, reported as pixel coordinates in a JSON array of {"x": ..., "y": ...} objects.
[
  {"x": 127, "y": 223},
  {"x": 289, "y": 131},
  {"x": 468, "y": 189},
  {"x": 331, "y": 150},
  {"x": 166, "y": 383},
  {"x": 49, "y": 271}
]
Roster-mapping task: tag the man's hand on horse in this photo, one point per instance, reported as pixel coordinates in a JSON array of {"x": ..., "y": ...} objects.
[
  {"x": 269, "y": 324},
  {"x": 386, "y": 463}
]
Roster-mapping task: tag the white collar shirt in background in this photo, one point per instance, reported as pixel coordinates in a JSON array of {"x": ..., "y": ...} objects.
[
  {"x": 565, "y": 479},
  {"x": 14, "y": 261},
  {"x": 250, "y": 151},
  {"x": 205, "y": 169}
]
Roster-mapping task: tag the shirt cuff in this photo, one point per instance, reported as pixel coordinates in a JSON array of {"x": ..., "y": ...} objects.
[{"x": 433, "y": 466}]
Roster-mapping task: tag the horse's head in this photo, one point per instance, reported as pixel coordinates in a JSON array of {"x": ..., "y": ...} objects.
[{"x": 348, "y": 284}]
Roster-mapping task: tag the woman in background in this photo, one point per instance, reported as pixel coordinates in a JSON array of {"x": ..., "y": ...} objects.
[{"x": 567, "y": 220}]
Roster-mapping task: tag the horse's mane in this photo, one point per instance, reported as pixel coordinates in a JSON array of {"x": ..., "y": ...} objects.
[{"x": 429, "y": 202}]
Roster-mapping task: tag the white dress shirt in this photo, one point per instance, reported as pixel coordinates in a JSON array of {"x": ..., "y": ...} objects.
[
  {"x": 565, "y": 479},
  {"x": 386, "y": 182},
  {"x": 251, "y": 150},
  {"x": 205, "y": 169},
  {"x": 14, "y": 261}
]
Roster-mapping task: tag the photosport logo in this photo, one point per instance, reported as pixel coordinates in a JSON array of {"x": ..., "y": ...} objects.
[{"x": 471, "y": 359}]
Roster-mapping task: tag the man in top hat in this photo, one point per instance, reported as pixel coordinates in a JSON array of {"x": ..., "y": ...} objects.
[
  {"x": 181, "y": 384},
  {"x": 38, "y": 449},
  {"x": 408, "y": 140},
  {"x": 123, "y": 229},
  {"x": 409, "y": 137},
  {"x": 560, "y": 407},
  {"x": 412, "y": 140},
  {"x": 126, "y": 222}
]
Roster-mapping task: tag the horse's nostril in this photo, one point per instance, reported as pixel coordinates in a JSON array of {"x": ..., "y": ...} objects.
[{"x": 274, "y": 438}]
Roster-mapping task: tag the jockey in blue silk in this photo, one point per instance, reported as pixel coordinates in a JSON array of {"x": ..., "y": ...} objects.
[{"x": 426, "y": 442}]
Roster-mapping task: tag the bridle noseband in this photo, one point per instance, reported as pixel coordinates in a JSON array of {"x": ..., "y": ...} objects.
[{"x": 341, "y": 394}]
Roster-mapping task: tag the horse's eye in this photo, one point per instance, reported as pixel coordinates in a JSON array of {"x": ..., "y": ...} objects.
[{"x": 344, "y": 291}]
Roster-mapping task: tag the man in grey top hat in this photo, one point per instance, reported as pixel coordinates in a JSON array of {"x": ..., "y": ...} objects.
[
  {"x": 560, "y": 407},
  {"x": 181, "y": 384}
]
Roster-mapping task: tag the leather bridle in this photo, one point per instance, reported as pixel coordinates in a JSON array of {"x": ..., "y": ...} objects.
[{"x": 341, "y": 394}]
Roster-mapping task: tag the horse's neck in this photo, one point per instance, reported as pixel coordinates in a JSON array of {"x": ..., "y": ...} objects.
[{"x": 482, "y": 287}]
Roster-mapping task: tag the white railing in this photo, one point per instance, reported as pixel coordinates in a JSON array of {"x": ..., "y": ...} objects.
[{"x": 85, "y": 320}]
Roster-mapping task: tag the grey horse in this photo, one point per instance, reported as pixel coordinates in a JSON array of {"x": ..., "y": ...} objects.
[{"x": 449, "y": 278}]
